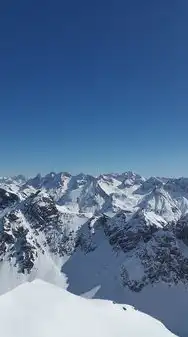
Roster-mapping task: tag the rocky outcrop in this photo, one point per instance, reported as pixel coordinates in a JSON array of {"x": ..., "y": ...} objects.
[
  {"x": 181, "y": 229},
  {"x": 152, "y": 250},
  {"x": 17, "y": 245},
  {"x": 7, "y": 199}
]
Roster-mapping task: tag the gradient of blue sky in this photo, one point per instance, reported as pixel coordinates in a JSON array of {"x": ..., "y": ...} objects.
[{"x": 94, "y": 86}]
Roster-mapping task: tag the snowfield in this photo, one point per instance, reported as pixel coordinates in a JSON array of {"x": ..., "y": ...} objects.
[{"x": 39, "y": 309}]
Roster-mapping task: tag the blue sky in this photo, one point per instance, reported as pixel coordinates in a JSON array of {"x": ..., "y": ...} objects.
[{"x": 94, "y": 86}]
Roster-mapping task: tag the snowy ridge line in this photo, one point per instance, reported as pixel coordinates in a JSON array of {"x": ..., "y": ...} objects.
[{"x": 40, "y": 309}]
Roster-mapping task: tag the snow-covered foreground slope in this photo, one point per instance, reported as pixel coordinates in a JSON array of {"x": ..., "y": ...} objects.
[{"x": 39, "y": 309}]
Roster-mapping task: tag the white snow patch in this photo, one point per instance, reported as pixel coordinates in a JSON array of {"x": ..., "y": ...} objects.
[{"x": 39, "y": 309}]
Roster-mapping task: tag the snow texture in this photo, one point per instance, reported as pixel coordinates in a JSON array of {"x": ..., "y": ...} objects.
[{"x": 39, "y": 309}]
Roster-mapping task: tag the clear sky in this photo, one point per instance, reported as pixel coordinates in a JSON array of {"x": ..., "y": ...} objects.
[{"x": 94, "y": 85}]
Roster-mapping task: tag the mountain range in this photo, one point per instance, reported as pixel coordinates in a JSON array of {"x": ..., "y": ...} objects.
[{"x": 119, "y": 237}]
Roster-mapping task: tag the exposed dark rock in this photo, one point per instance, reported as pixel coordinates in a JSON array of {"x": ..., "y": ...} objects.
[{"x": 7, "y": 199}]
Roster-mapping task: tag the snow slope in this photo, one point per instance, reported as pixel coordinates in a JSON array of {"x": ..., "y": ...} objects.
[
  {"x": 133, "y": 260},
  {"x": 39, "y": 309}
]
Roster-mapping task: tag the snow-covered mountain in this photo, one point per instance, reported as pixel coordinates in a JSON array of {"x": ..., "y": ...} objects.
[
  {"x": 119, "y": 237},
  {"x": 39, "y": 309}
]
